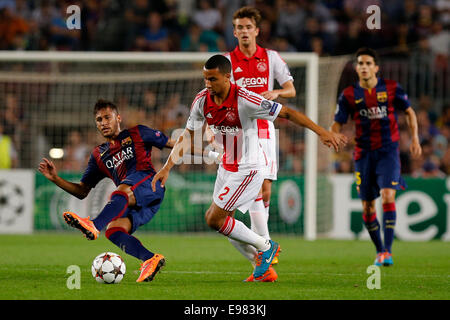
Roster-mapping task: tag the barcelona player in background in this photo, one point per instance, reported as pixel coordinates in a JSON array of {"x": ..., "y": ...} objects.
[
  {"x": 373, "y": 103},
  {"x": 125, "y": 158}
]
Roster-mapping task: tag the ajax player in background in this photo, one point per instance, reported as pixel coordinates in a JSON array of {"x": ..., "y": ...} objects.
[
  {"x": 231, "y": 113},
  {"x": 256, "y": 69},
  {"x": 125, "y": 158},
  {"x": 373, "y": 103}
]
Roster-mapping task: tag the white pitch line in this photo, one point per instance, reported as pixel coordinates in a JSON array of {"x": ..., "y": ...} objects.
[
  {"x": 244, "y": 273},
  {"x": 297, "y": 273}
]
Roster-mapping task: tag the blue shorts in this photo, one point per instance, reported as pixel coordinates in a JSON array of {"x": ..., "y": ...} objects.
[
  {"x": 147, "y": 201},
  {"x": 378, "y": 169}
]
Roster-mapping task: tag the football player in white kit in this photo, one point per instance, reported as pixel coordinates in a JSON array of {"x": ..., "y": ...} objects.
[
  {"x": 231, "y": 112},
  {"x": 256, "y": 69}
]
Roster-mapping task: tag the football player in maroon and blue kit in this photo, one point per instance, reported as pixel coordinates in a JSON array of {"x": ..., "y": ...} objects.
[
  {"x": 125, "y": 158},
  {"x": 373, "y": 104}
]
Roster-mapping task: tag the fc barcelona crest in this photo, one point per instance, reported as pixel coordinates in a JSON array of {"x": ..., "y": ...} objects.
[
  {"x": 126, "y": 141},
  {"x": 382, "y": 96}
]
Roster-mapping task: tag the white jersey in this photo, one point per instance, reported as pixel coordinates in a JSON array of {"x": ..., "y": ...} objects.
[{"x": 234, "y": 124}]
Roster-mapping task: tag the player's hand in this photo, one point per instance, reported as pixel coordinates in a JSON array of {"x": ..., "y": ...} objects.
[
  {"x": 162, "y": 175},
  {"x": 415, "y": 148},
  {"x": 270, "y": 95},
  {"x": 48, "y": 169},
  {"x": 333, "y": 139}
]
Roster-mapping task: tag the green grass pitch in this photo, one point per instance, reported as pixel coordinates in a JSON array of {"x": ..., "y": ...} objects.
[{"x": 206, "y": 266}]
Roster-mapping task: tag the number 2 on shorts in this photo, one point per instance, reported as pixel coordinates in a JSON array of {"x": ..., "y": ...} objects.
[{"x": 224, "y": 193}]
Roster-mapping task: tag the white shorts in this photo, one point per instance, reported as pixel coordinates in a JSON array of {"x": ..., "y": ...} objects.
[
  {"x": 270, "y": 152},
  {"x": 236, "y": 190}
]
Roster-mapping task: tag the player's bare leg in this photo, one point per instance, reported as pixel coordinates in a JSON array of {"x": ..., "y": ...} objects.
[
  {"x": 266, "y": 194},
  {"x": 389, "y": 219}
]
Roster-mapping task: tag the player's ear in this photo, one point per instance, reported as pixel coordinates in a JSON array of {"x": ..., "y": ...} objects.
[
  {"x": 119, "y": 118},
  {"x": 257, "y": 31}
]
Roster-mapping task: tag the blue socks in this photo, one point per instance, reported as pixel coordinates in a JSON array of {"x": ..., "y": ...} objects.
[
  {"x": 114, "y": 209},
  {"x": 373, "y": 227},
  {"x": 389, "y": 218},
  {"x": 128, "y": 243}
]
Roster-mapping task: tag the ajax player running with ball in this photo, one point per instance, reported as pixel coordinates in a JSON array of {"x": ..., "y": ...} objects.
[
  {"x": 231, "y": 112},
  {"x": 125, "y": 158}
]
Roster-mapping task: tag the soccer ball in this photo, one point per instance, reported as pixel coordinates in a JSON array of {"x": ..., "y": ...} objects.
[{"x": 108, "y": 267}]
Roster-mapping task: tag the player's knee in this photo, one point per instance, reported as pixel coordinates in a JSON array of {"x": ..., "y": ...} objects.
[
  {"x": 212, "y": 220},
  {"x": 368, "y": 211},
  {"x": 121, "y": 224},
  {"x": 387, "y": 195},
  {"x": 209, "y": 218},
  {"x": 126, "y": 189}
]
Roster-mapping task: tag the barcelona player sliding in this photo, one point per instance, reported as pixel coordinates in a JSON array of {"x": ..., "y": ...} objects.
[
  {"x": 125, "y": 158},
  {"x": 373, "y": 103}
]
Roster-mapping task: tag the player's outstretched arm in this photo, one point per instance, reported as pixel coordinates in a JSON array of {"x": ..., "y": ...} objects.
[
  {"x": 48, "y": 169},
  {"x": 328, "y": 138},
  {"x": 182, "y": 144},
  {"x": 411, "y": 120}
]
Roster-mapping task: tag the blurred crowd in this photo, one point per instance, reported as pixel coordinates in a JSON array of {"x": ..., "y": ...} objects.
[{"x": 327, "y": 27}]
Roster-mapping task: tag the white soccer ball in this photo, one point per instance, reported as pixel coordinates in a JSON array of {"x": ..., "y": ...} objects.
[{"x": 108, "y": 267}]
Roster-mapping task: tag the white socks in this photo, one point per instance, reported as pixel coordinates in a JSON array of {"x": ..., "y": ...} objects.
[
  {"x": 248, "y": 251},
  {"x": 258, "y": 217},
  {"x": 237, "y": 230}
]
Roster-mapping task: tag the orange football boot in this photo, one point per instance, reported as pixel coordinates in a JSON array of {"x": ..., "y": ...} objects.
[
  {"x": 269, "y": 276},
  {"x": 149, "y": 268},
  {"x": 83, "y": 224}
]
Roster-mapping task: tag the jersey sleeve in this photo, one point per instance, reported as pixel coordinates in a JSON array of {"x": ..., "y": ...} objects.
[
  {"x": 92, "y": 175},
  {"x": 342, "y": 109},
  {"x": 401, "y": 100},
  {"x": 256, "y": 107},
  {"x": 153, "y": 137},
  {"x": 196, "y": 117},
  {"x": 281, "y": 70}
]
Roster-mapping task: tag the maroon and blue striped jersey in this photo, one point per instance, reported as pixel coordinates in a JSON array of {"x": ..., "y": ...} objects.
[
  {"x": 128, "y": 153},
  {"x": 374, "y": 112}
]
